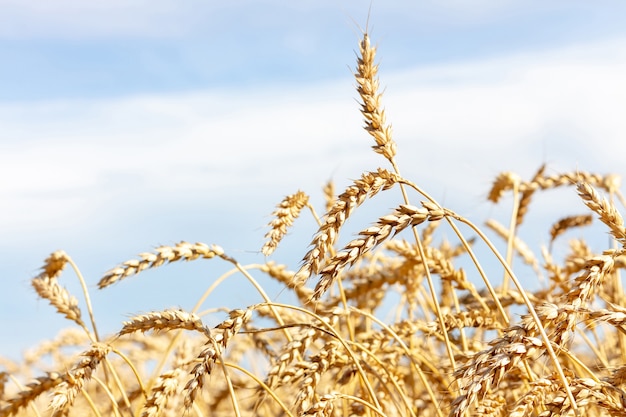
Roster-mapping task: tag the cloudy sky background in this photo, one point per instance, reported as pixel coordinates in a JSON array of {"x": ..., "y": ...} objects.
[{"x": 136, "y": 123}]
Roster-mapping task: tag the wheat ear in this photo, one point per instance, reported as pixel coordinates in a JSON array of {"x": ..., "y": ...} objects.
[
  {"x": 526, "y": 196},
  {"x": 488, "y": 367},
  {"x": 567, "y": 223},
  {"x": 536, "y": 396},
  {"x": 48, "y": 288},
  {"x": 165, "y": 387},
  {"x": 370, "y": 184},
  {"x": 605, "y": 210},
  {"x": 183, "y": 251},
  {"x": 329, "y": 194},
  {"x": 75, "y": 380},
  {"x": 214, "y": 348},
  {"x": 165, "y": 320},
  {"x": 403, "y": 217},
  {"x": 33, "y": 391},
  {"x": 367, "y": 80},
  {"x": 565, "y": 317},
  {"x": 506, "y": 181},
  {"x": 286, "y": 212}
]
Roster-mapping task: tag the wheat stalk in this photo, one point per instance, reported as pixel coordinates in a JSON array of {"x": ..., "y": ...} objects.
[{"x": 518, "y": 244}]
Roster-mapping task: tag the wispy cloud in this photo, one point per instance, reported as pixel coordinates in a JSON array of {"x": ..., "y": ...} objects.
[
  {"x": 509, "y": 112},
  {"x": 482, "y": 108}
]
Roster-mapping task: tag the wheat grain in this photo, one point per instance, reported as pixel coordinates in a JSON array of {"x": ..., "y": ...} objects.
[
  {"x": 315, "y": 368},
  {"x": 55, "y": 264},
  {"x": 324, "y": 407},
  {"x": 536, "y": 396},
  {"x": 293, "y": 350},
  {"x": 488, "y": 367},
  {"x": 589, "y": 395},
  {"x": 564, "y": 317},
  {"x": 475, "y": 319},
  {"x": 492, "y": 406},
  {"x": 48, "y": 288},
  {"x": 504, "y": 181}
]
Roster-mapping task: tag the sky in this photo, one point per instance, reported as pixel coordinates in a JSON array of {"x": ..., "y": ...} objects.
[{"x": 125, "y": 125}]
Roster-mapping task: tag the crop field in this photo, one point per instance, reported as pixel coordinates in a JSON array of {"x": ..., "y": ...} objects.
[{"x": 387, "y": 324}]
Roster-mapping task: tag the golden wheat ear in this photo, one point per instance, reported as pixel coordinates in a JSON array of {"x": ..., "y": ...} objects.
[
  {"x": 404, "y": 216},
  {"x": 47, "y": 287},
  {"x": 74, "y": 382},
  {"x": 164, "y": 320},
  {"x": 286, "y": 212},
  {"x": 165, "y": 388},
  {"x": 183, "y": 251},
  {"x": 569, "y": 222},
  {"x": 367, "y": 79},
  {"x": 370, "y": 184},
  {"x": 214, "y": 349},
  {"x": 606, "y": 211}
]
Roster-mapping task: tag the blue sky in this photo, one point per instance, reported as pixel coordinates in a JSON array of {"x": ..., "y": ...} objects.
[{"x": 129, "y": 124}]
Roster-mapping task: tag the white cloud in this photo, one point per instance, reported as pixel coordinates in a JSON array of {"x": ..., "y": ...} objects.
[
  {"x": 70, "y": 155},
  {"x": 473, "y": 118},
  {"x": 494, "y": 109}
]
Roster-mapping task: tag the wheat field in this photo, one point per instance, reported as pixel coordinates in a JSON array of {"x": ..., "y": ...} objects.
[{"x": 385, "y": 325}]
